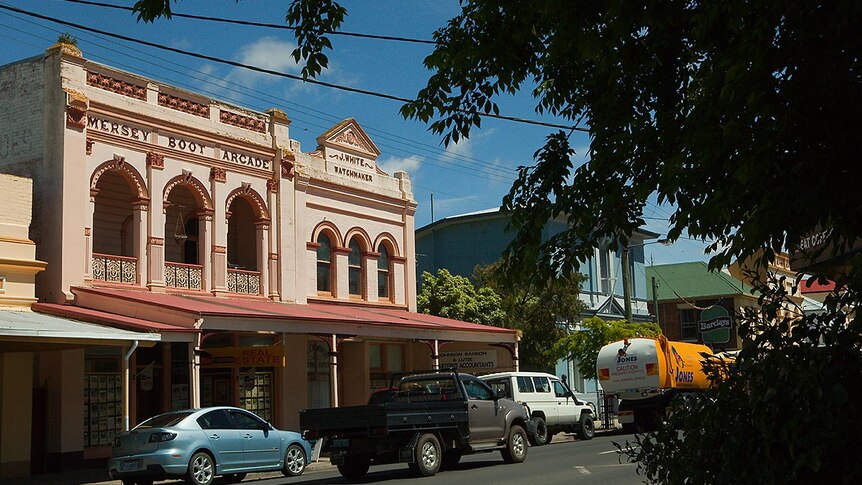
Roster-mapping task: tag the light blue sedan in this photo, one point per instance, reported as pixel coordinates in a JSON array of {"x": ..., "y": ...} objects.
[{"x": 198, "y": 444}]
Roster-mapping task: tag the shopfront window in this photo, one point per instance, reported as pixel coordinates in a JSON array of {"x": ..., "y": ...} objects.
[
  {"x": 103, "y": 394},
  {"x": 148, "y": 379},
  {"x": 318, "y": 375},
  {"x": 384, "y": 362}
]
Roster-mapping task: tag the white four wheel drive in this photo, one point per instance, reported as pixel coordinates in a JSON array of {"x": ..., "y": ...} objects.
[{"x": 552, "y": 405}]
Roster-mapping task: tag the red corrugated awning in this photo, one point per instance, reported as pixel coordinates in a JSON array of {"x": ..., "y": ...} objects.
[
  {"x": 111, "y": 319},
  {"x": 244, "y": 314}
]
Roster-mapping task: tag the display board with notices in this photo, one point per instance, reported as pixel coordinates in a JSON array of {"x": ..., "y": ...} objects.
[
  {"x": 255, "y": 393},
  {"x": 102, "y": 408}
]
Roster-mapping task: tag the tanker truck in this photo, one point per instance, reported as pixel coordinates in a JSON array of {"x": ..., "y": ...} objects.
[{"x": 647, "y": 374}]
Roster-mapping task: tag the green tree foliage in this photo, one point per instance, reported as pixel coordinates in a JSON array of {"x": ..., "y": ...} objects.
[
  {"x": 784, "y": 411},
  {"x": 741, "y": 114},
  {"x": 537, "y": 310},
  {"x": 453, "y": 296},
  {"x": 594, "y": 333}
]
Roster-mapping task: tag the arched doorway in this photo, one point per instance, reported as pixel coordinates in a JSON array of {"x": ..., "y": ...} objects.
[
  {"x": 118, "y": 197},
  {"x": 243, "y": 273},
  {"x": 184, "y": 249}
]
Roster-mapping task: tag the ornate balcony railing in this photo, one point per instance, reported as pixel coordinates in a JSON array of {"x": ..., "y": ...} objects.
[
  {"x": 116, "y": 269},
  {"x": 242, "y": 281},
  {"x": 179, "y": 275}
]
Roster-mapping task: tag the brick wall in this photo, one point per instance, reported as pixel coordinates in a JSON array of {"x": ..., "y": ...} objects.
[
  {"x": 22, "y": 87},
  {"x": 22, "y": 95},
  {"x": 15, "y": 198}
]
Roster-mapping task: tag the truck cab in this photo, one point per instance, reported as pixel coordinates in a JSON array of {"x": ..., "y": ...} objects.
[{"x": 427, "y": 419}]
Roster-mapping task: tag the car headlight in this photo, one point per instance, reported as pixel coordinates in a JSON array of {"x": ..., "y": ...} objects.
[{"x": 162, "y": 436}]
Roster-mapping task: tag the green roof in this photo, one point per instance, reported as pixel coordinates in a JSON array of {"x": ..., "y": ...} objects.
[{"x": 692, "y": 281}]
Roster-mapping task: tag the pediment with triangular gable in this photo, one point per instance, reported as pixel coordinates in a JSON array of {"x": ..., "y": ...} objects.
[
  {"x": 346, "y": 147},
  {"x": 611, "y": 307}
]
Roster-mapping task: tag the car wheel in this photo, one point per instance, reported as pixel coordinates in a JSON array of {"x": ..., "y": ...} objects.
[
  {"x": 587, "y": 428},
  {"x": 540, "y": 435},
  {"x": 201, "y": 469},
  {"x": 354, "y": 468},
  {"x": 428, "y": 455},
  {"x": 235, "y": 477},
  {"x": 451, "y": 459},
  {"x": 516, "y": 445},
  {"x": 294, "y": 461}
]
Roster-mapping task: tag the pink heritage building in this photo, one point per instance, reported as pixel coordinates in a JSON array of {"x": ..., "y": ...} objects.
[{"x": 256, "y": 274}]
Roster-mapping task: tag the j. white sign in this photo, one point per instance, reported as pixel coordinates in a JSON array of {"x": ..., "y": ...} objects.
[{"x": 470, "y": 360}]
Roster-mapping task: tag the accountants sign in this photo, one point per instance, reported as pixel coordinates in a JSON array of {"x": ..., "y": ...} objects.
[{"x": 470, "y": 360}]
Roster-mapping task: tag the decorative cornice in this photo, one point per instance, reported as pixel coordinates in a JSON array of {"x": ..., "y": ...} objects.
[
  {"x": 90, "y": 143},
  {"x": 156, "y": 160},
  {"x": 116, "y": 86},
  {"x": 76, "y": 110},
  {"x": 220, "y": 249},
  {"x": 184, "y": 105},
  {"x": 273, "y": 256},
  {"x": 341, "y": 250},
  {"x": 398, "y": 259},
  {"x": 87, "y": 231},
  {"x": 370, "y": 254},
  {"x": 241, "y": 121},
  {"x": 288, "y": 169},
  {"x": 218, "y": 174},
  {"x": 272, "y": 185},
  {"x": 157, "y": 241},
  {"x": 312, "y": 245}
]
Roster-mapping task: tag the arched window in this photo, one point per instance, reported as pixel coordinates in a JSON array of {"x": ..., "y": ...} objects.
[
  {"x": 354, "y": 268},
  {"x": 324, "y": 264},
  {"x": 383, "y": 273}
]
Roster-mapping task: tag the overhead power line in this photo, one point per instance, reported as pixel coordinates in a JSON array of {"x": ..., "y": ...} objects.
[
  {"x": 261, "y": 24},
  {"x": 272, "y": 72},
  {"x": 442, "y": 163}
]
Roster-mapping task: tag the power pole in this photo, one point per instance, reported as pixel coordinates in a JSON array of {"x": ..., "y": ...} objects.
[
  {"x": 432, "y": 206},
  {"x": 655, "y": 299},
  {"x": 627, "y": 282}
]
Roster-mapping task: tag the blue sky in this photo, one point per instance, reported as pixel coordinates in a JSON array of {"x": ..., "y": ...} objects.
[{"x": 472, "y": 175}]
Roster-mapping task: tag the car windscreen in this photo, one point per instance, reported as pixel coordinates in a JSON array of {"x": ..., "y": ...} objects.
[
  {"x": 438, "y": 386},
  {"x": 164, "y": 420}
]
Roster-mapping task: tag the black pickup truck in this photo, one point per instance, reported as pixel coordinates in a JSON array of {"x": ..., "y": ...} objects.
[{"x": 428, "y": 419}]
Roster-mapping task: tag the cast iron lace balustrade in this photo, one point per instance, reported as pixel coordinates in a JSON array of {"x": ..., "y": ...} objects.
[
  {"x": 116, "y": 269},
  {"x": 242, "y": 281},
  {"x": 179, "y": 275}
]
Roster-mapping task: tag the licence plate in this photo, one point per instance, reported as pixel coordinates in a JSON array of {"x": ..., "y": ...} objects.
[
  {"x": 130, "y": 465},
  {"x": 340, "y": 443}
]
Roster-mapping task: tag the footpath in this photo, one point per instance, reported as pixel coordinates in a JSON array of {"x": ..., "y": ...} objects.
[{"x": 100, "y": 476}]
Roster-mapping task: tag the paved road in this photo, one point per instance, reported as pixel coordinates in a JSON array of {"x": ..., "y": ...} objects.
[{"x": 565, "y": 461}]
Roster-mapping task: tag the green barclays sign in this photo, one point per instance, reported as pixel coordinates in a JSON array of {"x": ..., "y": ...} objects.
[{"x": 714, "y": 325}]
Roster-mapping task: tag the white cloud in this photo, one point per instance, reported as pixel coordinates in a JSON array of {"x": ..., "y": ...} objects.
[
  {"x": 267, "y": 53},
  {"x": 409, "y": 164}
]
